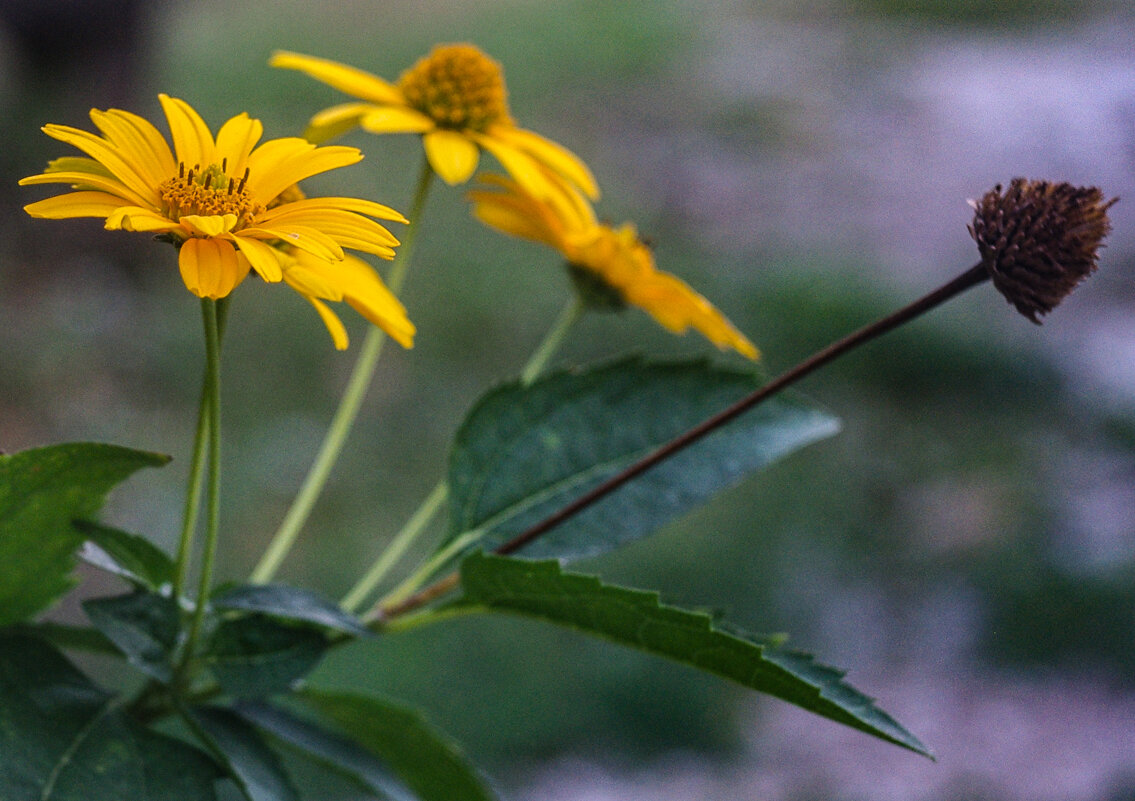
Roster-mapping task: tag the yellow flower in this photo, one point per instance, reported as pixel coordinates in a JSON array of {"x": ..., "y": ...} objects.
[
  {"x": 455, "y": 98},
  {"x": 229, "y": 206},
  {"x": 614, "y": 260}
]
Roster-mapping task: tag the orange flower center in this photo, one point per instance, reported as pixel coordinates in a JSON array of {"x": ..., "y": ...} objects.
[
  {"x": 209, "y": 192},
  {"x": 458, "y": 87}
]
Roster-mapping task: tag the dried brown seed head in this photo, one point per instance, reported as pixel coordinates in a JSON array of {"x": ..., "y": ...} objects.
[{"x": 1038, "y": 240}]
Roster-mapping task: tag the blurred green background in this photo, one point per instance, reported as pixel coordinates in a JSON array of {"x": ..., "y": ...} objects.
[{"x": 965, "y": 547}]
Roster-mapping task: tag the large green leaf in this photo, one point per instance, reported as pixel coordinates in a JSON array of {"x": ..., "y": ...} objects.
[
  {"x": 63, "y": 739},
  {"x": 145, "y": 627},
  {"x": 638, "y": 619},
  {"x": 250, "y": 762},
  {"x": 254, "y": 655},
  {"x": 41, "y": 492},
  {"x": 428, "y": 762},
  {"x": 526, "y": 451},
  {"x": 334, "y": 751}
]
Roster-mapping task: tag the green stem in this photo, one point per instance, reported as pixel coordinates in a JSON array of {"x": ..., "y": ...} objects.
[
  {"x": 407, "y": 588},
  {"x": 552, "y": 340},
  {"x": 213, "y": 493},
  {"x": 196, "y": 471},
  {"x": 348, "y": 410},
  {"x": 193, "y": 492},
  {"x": 354, "y": 599},
  {"x": 417, "y": 523}
]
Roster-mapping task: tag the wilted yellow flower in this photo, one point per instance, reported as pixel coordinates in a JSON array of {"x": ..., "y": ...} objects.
[
  {"x": 229, "y": 206},
  {"x": 613, "y": 259},
  {"x": 455, "y": 98}
]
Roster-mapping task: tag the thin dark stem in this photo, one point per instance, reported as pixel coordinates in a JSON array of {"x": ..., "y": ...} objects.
[
  {"x": 974, "y": 275},
  {"x": 971, "y": 277}
]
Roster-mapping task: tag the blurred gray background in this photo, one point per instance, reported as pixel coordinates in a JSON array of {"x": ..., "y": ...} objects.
[{"x": 966, "y": 547}]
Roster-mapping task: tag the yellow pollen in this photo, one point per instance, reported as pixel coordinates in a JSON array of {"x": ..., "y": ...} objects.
[
  {"x": 458, "y": 87},
  {"x": 209, "y": 192}
]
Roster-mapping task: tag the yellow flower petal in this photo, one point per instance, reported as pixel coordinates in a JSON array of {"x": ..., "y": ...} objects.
[
  {"x": 527, "y": 171},
  {"x": 86, "y": 180},
  {"x": 102, "y": 151},
  {"x": 357, "y": 205},
  {"x": 364, "y": 290},
  {"x": 278, "y": 164},
  {"x": 211, "y": 268},
  {"x": 347, "y": 79},
  {"x": 515, "y": 218},
  {"x": 554, "y": 156},
  {"x": 335, "y": 121},
  {"x": 136, "y": 218},
  {"x": 677, "y": 307},
  {"x": 452, "y": 155},
  {"x": 75, "y": 204},
  {"x": 208, "y": 225},
  {"x": 77, "y": 164},
  {"x": 192, "y": 141},
  {"x": 303, "y": 237},
  {"x": 139, "y": 142},
  {"x": 374, "y": 301},
  {"x": 331, "y": 320},
  {"x": 395, "y": 119},
  {"x": 337, "y": 224},
  {"x": 316, "y": 283},
  {"x": 235, "y": 141},
  {"x": 263, "y": 258},
  {"x": 558, "y": 221}
]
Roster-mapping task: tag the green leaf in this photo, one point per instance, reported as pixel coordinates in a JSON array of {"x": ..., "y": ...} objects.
[
  {"x": 638, "y": 619},
  {"x": 144, "y": 626},
  {"x": 41, "y": 492},
  {"x": 429, "y": 763},
  {"x": 63, "y": 739},
  {"x": 525, "y": 452},
  {"x": 254, "y": 655},
  {"x": 290, "y": 603},
  {"x": 334, "y": 751},
  {"x": 133, "y": 558},
  {"x": 250, "y": 762}
]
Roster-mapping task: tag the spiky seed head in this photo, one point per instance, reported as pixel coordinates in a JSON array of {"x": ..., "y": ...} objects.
[{"x": 1039, "y": 239}]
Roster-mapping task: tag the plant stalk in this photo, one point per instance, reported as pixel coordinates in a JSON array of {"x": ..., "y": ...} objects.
[
  {"x": 417, "y": 523},
  {"x": 349, "y": 405},
  {"x": 213, "y": 490},
  {"x": 196, "y": 469}
]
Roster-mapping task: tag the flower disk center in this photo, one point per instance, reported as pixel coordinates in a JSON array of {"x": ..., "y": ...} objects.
[
  {"x": 458, "y": 87},
  {"x": 209, "y": 192}
]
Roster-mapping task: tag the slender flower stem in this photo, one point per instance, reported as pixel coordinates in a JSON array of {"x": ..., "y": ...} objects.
[
  {"x": 196, "y": 470},
  {"x": 971, "y": 277},
  {"x": 354, "y": 599},
  {"x": 213, "y": 494},
  {"x": 349, "y": 406},
  {"x": 193, "y": 492},
  {"x": 417, "y": 523},
  {"x": 552, "y": 340}
]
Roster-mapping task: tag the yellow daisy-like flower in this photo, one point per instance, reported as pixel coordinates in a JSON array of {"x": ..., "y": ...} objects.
[
  {"x": 230, "y": 206},
  {"x": 455, "y": 98},
  {"x": 614, "y": 260}
]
